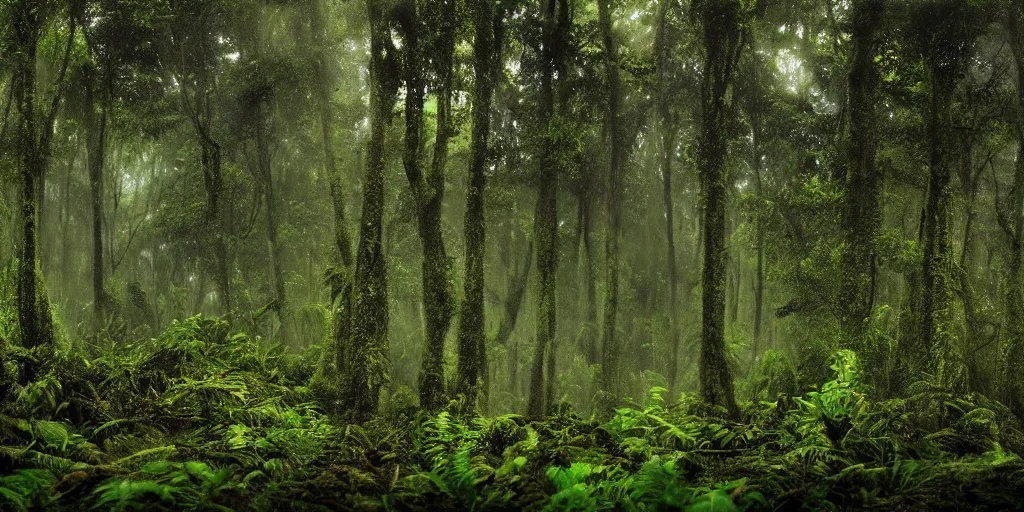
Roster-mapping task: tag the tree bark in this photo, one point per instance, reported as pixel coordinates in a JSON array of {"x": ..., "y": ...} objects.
[
  {"x": 863, "y": 215},
  {"x": 1012, "y": 353},
  {"x": 367, "y": 368},
  {"x": 97, "y": 130},
  {"x": 32, "y": 147},
  {"x": 471, "y": 322},
  {"x": 722, "y": 44},
  {"x": 943, "y": 62},
  {"x": 428, "y": 191},
  {"x": 546, "y": 216},
  {"x": 264, "y": 165},
  {"x": 611, "y": 346},
  {"x": 669, "y": 129},
  {"x": 340, "y": 277}
]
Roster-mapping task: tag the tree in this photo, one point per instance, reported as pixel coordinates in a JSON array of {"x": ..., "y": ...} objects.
[
  {"x": 863, "y": 215},
  {"x": 428, "y": 190},
  {"x": 720, "y": 25},
  {"x": 262, "y": 79},
  {"x": 945, "y": 34},
  {"x": 339, "y": 275},
  {"x": 471, "y": 321},
  {"x": 29, "y": 20},
  {"x": 1011, "y": 220},
  {"x": 97, "y": 141},
  {"x": 546, "y": 214},
  {"x": 119, "y": 49},
  {"x": 368, "y": 345},
  {"x": 669, "y": 125},
  {"x": 610, "y": 344}
]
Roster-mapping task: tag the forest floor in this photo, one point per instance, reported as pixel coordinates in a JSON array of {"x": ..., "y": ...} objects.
[{"x": 202, "y": 419}]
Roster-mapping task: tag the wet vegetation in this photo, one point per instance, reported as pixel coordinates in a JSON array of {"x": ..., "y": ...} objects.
[{"x": 701, "y": 255}]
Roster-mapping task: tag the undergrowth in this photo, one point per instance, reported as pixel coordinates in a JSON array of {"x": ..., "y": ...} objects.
[{"x": 201, "y": 418}]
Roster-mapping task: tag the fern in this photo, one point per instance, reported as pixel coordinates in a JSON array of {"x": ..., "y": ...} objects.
[{"x": 26, "y": 489}]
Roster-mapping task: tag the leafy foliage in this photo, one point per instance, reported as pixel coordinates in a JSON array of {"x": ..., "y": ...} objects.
[{"x": 203, "y": 419}]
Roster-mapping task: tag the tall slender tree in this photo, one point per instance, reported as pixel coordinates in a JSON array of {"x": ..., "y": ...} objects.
[
  {"x": 945, "y": 34},
  {"x": 192, "y": 58},
  {"x": 339, "y": 275},
  {"x": 368, "y": 348},
  {"x": 471, "y": 322},
  {"x": 546, "y": 215},
  {"x": 668, "y": 120},
  {"x": 722, "y": 43},
  {"x": 863, "y": 215},
  {"x": 32, "y": 149},
  {"x": 97, "y": 141},
  {"x": 1011, "y": 220},
  {"x": 611, "y": 345},
  {"x": 428, "y": 190}
]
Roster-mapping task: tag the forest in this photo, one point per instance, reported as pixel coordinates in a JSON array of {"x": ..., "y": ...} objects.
[{"x": 702, "y": 255}]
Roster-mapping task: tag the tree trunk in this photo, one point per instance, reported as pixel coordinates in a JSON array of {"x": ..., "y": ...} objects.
[
  {"x": 863, "y": 214},
  {"x": 471, "y": 322},
  {"x": 591, "y": 336},
  {"x": 65, "y": 216},
  {"x": 722, "y": 45},
  {"x": 755, "y": 349},
  {"x": 546, "y": 216},
  {"x": 428, "y": 192},
  {"x": 1012, "y": 353},
  {"x": 935, "y": 332},
  {"x": 97, "y": 130},
  {"x": 214, "y": 184},
  {"x": 513, "y": 302},
  {"x": 755, "y": 109},
  {"x": 611, "y": 345},
  {"x": 30, "y": 155},
  {"x": 367, "y": 368},
  {"x": 267, "y": 179},
  {"x": 340, "y": 278},
  {"x": 669, "y": 129},
  {"x": 971, "y": 181}
]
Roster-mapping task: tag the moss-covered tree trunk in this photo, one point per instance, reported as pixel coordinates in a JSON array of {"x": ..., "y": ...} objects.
[
  {"x": 213, "y": 182},
  {"x": 26, "y": 32},
  {"x": 96, "y": 133},
  {"x": 368, "y": 346},
  {"x": 546, "y": 215},
  {"x": 944, "y": 60},
  {"x": 863, "y": 215},
  {"x": 471, "y": 322},
  {"x": 610, "y": 344},
  {"x": 266, "y": 176},
  {"x": 32, "y": 148},
  {"x": 722, "y": 44},
  {"x": 428, "y": 191},
  {"x": 340, "y": 276},
  {"x": 669, "y": 128},
  {"x": 1012, "y": 353}
]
